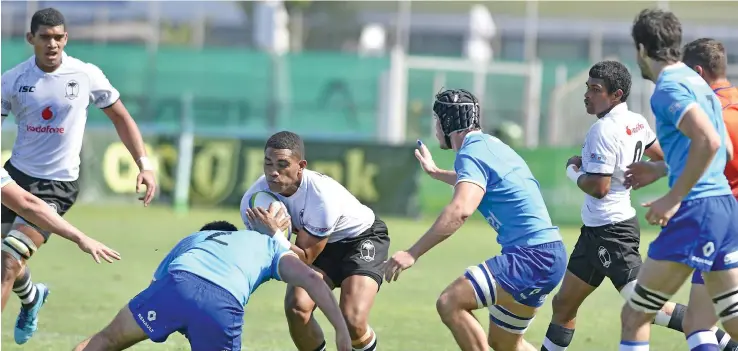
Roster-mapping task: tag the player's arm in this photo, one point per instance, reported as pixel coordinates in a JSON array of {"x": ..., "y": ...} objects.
[
  {"x": 472, "y": 179},
  {"x": 308, "y": 246},
  {"x": 446, "y": 176},
  {"x": 38, "y": 212},
  {"x": 294, "y": 272},
  {"x": 129, "y": 133},
  {"x": 429, "y": 166},
  {"x": 654, "y": 151},
  {"x": 6, "y": 92},
  {"x": 594, "y": 178},
  {"x": 732, "y": 130},
  {"x": 467, "y": 196},
  {"x": 683, "y": 110}
]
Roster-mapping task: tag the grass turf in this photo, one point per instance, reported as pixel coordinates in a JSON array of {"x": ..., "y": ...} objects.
[{"x": 85, "y": 296}]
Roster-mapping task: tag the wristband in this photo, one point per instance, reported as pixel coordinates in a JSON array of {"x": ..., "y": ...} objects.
[
  {"x": 281, "y": 240},
  {"x": 572, "y": 174},
  {"x": 145, "y": 164}
]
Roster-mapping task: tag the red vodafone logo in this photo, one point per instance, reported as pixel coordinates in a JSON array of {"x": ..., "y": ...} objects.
[
  {"x": 47, "y": 114},
  {"x": 627, "y": 131}
]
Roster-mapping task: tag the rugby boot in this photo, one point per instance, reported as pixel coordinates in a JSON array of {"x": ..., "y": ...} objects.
[{"x": 27, "y": 321}]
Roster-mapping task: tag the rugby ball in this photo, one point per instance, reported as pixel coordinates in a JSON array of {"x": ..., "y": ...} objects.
[{"x": 265, "y": 199}]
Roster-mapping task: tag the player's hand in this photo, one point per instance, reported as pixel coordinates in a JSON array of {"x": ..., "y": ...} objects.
[
  {"x": 643, "y": 173},
  {"x": 574, "y": 160},
  {"x": 267, "y": 222},
  {"x": 98, "y": 250},
  {"x": 661, "y": 210},
  {"x": 425, "y": 159},
  {"x": 148, "y": 179},
  {"x": 343, "y": 341},
  {"x": 399, "y": 262}
]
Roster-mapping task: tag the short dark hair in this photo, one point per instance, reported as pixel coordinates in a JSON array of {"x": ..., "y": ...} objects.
[
  {"x": 660, "y": 32},
  {"x": 285, "y": 140},
  {"x": 707, "y": 53},
  {"x": 615, "y": 75},
  {"x": 46, "y": 17},
  {"x": 219, "y": 225}
]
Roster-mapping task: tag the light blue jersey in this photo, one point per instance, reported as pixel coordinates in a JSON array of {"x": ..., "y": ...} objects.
[
  {"x": 512, "y": 203},
  {"x": 677, "y": 90},
  {"x": 236, "y": 261}
]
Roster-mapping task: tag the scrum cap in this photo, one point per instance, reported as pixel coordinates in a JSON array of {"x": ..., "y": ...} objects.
[{"x": 457, "y": 110}]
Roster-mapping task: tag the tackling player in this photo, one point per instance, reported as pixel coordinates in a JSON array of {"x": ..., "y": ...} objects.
[
  {"x": 608, "y": 246},
  {"x": 706, "y": 57},
  {"x": 201, "y": 287},
  {"x": 49, "y": 95},
  {"x": 491, "y": 177},
  {"x": 336, "y": 233},
  {"x": 37, "y": 211},
  {"x": 696, "y": 214}
]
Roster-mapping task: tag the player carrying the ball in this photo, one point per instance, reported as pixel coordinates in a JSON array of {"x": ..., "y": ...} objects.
[
  {"x": 201, "y": 287},
  {"x": 492, "y": 178},
  {"x": 608, "y": 246},
  {"x": 337, "y": 234},
  {"x": 697, "y": 215}
]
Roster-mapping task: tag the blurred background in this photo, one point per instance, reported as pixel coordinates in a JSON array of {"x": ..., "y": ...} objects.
[{"x": 207, "y": 82}]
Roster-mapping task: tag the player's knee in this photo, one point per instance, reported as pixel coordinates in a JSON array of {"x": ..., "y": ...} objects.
[
  {"x": 357, "y": 323},
  {"x": 445, "y": 306},
  {"x": 298, "y": 308},
  {"x": 726, "y": 305},
  {"x": 644, "y": 301},
  {"x": 19, "y": 245},
  {"x": 564, "y": 310}
]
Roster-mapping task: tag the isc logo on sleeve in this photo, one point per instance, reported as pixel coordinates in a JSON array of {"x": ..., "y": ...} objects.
[{"x": 26, "y": 89}]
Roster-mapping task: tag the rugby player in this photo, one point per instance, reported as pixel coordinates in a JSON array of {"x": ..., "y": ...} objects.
[
  {"x": 608, "y": 246},
  {"x": 201, "y": 287},
  {"x": 37, "y": 211},
  {"x": 49, "y": 95},
  {"x": 491, "y": 177},
  {"x": 706, "y": 57},
  {"x": 336, "y": 234},
  {"x": 696, "y": 215}
]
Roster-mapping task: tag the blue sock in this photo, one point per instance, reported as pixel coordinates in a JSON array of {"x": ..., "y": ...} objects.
[
  {"x": 633, "y": 345},
  {"x": 702, "y": 340}
]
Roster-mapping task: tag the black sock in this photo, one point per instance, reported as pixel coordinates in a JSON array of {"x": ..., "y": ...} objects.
[
  {"x": 557, "y": 338},
  {"x": 25, "y": 289},
  {"x": 730, "y": 345},
  {"x": 321, "y": 347},
  {"x": 677, "y": 317}
]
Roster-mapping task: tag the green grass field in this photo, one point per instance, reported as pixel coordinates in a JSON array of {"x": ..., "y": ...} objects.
[{"x": 85, "y": 296}]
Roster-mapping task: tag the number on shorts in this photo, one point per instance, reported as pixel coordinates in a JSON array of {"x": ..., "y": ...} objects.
[
  {"x": 638, "y": 152},
  {"x": 215, "y": 235}
]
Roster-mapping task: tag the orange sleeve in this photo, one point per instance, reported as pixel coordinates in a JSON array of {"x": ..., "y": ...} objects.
[{"x": 731, "y": 125}]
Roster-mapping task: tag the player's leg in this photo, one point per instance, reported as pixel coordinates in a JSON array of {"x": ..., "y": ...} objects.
[
  {"x": 455, "y": 306},
  {"x": 304, "y": 329},
  {"x": 514, "y": 285},
  {"x": 155, "y": 313},
  {"x": 701, "y": 312},
  {"x": 123, "y": 332},
  {"x": 581, "y": 279},
  {"x": 657, "y": 282},
  {"x": 360, "y": 279}
]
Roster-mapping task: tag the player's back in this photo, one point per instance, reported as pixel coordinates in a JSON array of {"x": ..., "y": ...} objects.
[
  {"x": 512, "y": 203},
  {"x": 613, "y": 143},
  {"x": 238, "y": 261},
  {"x": 677, "y": 90},
  {"x": 728, "y": 95}
]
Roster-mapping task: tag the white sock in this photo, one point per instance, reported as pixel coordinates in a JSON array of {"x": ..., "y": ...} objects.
[
  {"x": 633, "y": 346},
  {"x": 550, "y": 346},
  {"x": 371, "y": 346}
]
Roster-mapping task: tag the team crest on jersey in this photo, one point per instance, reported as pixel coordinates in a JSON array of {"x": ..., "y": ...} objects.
[
  {"x": 72, "y": 90},
  {"x": 604, "y": 256},
  {"x": 367, "y": 251}
]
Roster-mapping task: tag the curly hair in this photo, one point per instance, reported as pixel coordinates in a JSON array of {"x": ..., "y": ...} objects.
[{"x": 615, "y": 75}]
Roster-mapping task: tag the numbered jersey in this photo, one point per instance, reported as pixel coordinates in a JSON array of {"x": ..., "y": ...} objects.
[
  {"x": 50, "y": 110},
  {"x": 678, "y": 90},
  {"x": 512, "y": 203},
  {"x": 611, "y": 145},
  {"x": 236, "y": 261},
  {"x": 321, "y": 206}
]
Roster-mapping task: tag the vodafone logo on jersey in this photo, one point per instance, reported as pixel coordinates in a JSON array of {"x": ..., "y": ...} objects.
[
  {"x": 639, "y": 127},
  {"x": 47, "y": 115}
]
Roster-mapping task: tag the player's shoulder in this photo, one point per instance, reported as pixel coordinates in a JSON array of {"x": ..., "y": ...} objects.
[
  {"x": 319, "y": 182},
  {"x": 10, "y": 76},
  {"x": 78, "y": 65},
  {"x": 607, "y": 127}
]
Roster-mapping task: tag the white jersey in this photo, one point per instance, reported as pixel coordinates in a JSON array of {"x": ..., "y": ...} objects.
[
  {"x": 5, "y": 178},
  {"x": 50, "y": 110},
  {"x": 321, "y": 206},
  {"x": 611, "y": 145}
]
